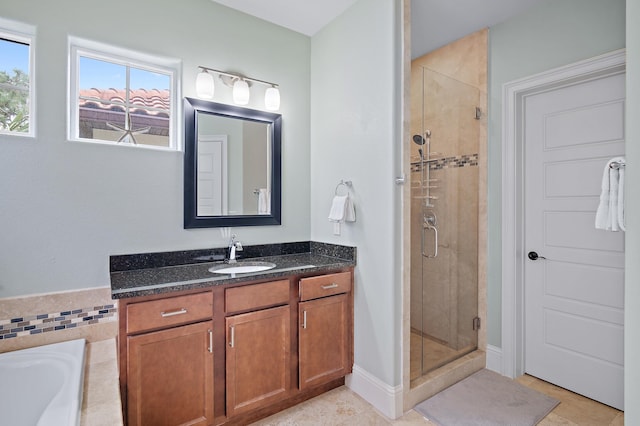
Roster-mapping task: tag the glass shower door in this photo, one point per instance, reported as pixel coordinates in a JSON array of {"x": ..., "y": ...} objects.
[{"x": 444, "y": 223}]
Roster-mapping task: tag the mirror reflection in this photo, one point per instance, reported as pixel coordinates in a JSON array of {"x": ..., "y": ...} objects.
[{"x": 232, "y": 165}]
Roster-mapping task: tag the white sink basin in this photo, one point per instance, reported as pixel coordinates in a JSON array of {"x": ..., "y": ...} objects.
[{"x": 242, "y": 267}]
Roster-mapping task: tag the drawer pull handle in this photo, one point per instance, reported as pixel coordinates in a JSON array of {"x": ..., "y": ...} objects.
[
  {"x": 330, "y": 286},
  {"x": 210, "y": 348},
  {"x": 304, "y": 319},
  {"x": 232, "y": 340},
  {"x": 173, "y": 313}
]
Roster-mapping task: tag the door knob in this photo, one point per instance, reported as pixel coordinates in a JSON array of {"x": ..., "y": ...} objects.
[{"x": 534, "y": 256}]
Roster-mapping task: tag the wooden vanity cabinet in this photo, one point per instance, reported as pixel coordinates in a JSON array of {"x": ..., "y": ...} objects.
[
  {"x": 266, "y": 345},
  {"x": 168, "y": 347},
  {"x": 170, "y": 378},
  {"x": 325, "y": 329},
  {"x": 258, "y": 355},
  {"x": 258, "y": 359}
]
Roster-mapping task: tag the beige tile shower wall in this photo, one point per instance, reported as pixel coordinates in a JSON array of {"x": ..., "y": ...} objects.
[
  {"x": 464, "y": 60},
  {"x": 28, "y": 306}
]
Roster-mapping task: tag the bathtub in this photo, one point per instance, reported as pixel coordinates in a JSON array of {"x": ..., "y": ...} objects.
[{"x": 42, "y": 386}]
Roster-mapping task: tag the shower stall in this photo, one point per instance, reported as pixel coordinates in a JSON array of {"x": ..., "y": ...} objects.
[{"x": 446, "y": 128}]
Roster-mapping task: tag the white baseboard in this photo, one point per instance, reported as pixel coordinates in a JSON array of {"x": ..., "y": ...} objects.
[
  {"x": 386, "y": 399},
  {"x": 494, "y": 359}
]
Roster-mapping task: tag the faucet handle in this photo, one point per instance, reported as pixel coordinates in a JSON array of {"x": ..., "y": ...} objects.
[{"x": 238, "y": 246}]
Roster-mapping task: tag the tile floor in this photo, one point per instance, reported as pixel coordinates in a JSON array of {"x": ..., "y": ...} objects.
[{"x": 341, "y": 406}]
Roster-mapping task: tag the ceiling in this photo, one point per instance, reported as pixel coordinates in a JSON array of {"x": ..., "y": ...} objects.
[
  {"x": 434, "y": 23},
  {"x": 303, "y": 16}
]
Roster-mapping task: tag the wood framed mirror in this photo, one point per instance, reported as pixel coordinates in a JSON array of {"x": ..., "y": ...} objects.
[{"x": 232, "y": 166}]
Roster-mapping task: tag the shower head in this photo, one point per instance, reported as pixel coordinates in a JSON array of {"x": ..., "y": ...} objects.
[{"x": 418, "y": 139}]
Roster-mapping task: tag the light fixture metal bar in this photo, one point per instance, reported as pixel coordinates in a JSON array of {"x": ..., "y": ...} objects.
[{"x": 238, "y": 76}]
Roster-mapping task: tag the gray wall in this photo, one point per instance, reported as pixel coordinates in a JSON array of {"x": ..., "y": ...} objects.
[
  {"x": 65, "y": 206},
  {"x": 353, "y": 96},
  {"x": 553, "y": 34}
]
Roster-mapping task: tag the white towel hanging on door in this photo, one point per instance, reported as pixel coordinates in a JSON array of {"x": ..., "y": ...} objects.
[{"x": 610, "y": 212}]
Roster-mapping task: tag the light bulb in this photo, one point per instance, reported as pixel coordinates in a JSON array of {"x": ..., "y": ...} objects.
[
  {"x": 204, "y": 85},
  {"x": 272, "y": 99},
  {"x": 241, "y": 92}
]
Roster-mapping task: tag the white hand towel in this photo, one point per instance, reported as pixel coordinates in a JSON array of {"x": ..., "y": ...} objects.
[
  {"x": 611, "y": 204},
  {"x": 264, "y": 201},
  {"x": 350, "y": 211},
  {"x": 338, "y": 208},
  {"x": 342, "y": 210}
]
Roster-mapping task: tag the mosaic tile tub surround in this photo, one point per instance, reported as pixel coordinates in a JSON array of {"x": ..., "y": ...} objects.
[
  {"x": 45, "y": 318},
  {"x": 50, "y": 322}
]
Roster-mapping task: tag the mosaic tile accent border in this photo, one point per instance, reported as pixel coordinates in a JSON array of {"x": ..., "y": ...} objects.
[
  {"x": 45, "y": 323},
  {"x": 467, "y": 160}
]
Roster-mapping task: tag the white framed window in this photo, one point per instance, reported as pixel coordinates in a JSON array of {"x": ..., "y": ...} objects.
[
  {"x": 17, "y": 91},
  {"x": 118, "y": 96}
]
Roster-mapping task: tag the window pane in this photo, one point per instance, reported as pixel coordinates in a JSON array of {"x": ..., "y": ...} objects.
[
  {"x": 14, "y": 86},
  {"x": 149, "y": 89},
  {"x": 150, "y": 127},
  {"x": 127, "y": 104},
  {"x": 101, "y": 75},
  {"x": 143, "y": 79},
  {"x": 156, "y": 99},
  {"x": 100, "y": 120}
]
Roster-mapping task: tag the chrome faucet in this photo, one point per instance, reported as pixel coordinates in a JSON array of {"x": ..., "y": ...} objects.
[{"x": 234, "y": 246}]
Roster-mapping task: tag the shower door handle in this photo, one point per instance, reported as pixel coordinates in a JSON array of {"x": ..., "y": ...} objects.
[{"x": 435, "y": 241}]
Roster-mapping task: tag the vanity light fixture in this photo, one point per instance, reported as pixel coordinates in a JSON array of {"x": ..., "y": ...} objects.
[
  {"x": 272, "y": 98},
  {"x": 241, "y": 92},
  {"x": 204, "y": 85},
  {"x": 240, "y": 84}
]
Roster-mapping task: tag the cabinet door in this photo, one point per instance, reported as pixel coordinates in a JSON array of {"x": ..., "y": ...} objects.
[
  {"x": 258, "y": 359},
  {"x": 170, "y": 377},
  {"x": 324, "y": 340}
]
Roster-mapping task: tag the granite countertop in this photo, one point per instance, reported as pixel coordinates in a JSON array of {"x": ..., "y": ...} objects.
[{"x": 146, "y": 274}]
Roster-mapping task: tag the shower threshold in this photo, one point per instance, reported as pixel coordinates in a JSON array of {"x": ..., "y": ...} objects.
[{"x": 429, "y": 354}]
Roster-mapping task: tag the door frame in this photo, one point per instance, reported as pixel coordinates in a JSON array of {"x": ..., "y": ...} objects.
[
  {"x": 222, "y": 139},
  {"x": 514, "y": 94}
]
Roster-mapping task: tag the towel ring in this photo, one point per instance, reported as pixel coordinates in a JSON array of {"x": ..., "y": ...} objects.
[
  {"x": 616, "y": 165},
  {"x": 346, "y": 183}
]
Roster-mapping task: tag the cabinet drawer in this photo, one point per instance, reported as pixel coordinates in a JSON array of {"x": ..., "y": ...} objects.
[
  {"x": 325, "y": 285},
  {"x": 256, "y": 296},
  {"x": 169, "y": 312}
]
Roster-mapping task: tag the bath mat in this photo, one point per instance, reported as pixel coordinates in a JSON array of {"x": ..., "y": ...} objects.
[{"x": 487, "y": 399}]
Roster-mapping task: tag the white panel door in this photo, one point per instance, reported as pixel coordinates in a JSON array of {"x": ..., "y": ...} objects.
[
  {"x": 212, "y": 175},
  {"x": 574, "y": 297}
]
